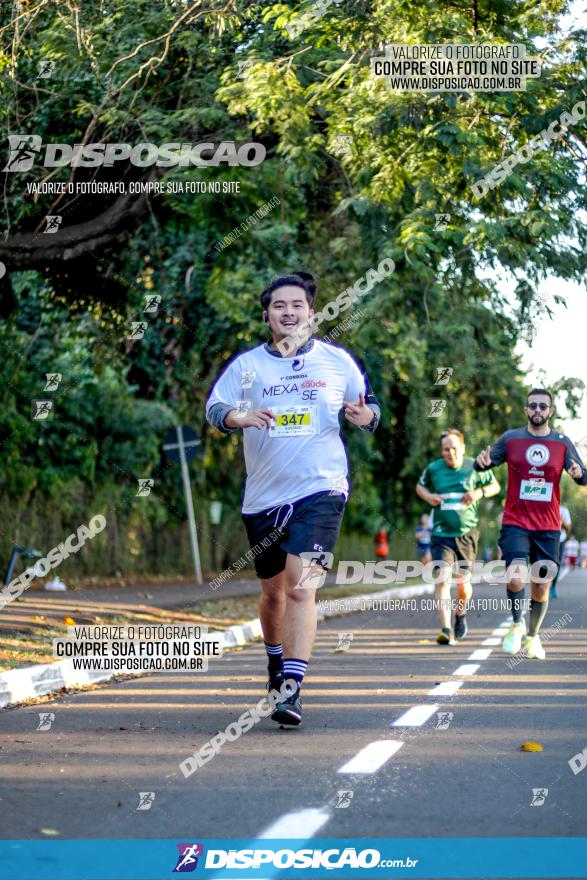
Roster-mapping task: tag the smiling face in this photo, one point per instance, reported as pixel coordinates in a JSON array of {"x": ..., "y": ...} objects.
[
  {"x": 453, "y": 450},
  {"x": 538, "y": 409},
  {"x": 288, "y": 311}
]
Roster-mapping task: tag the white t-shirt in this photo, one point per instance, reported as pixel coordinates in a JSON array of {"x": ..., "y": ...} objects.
[
  {"x": 583, "y": 549},
  {"x": 303, "y": 451}
]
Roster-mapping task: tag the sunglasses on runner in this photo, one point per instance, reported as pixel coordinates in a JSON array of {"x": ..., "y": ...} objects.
[{"x": 541, "y": 406}]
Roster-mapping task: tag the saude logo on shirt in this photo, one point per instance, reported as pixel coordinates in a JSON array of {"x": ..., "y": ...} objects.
[
  {"x": 307, "y": 388},
  {"x": 538, "y": 454}
]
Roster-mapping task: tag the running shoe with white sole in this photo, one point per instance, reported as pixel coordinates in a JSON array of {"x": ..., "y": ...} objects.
[
  {"x": 533, "y": 648},
  {"x": 289, "y": 711},
  {"x": 444, "y": 637},
  {"x": 512, "y": 641}
]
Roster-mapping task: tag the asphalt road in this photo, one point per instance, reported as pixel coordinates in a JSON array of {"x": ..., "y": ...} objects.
[{"x": 431, "y": 774}]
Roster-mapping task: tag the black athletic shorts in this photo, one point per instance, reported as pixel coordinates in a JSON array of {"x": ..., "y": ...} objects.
[
  {"x": 307, "y": 525},
  {"x": 529, "y": 546},
  {"x": 462, "y": 549}
]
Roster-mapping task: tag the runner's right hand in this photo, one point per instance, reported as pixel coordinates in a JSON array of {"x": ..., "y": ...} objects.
[
  {"x": 435, "y": 500},
  {"x": 484, "y": 458},
  {"x": 255, "y": 418}
]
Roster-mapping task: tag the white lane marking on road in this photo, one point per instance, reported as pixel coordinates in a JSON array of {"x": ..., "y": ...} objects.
[
  {"x": 372, "y": 757},
  {"x": 480, "y": 654},
  {"x": 500, "y": 631},
  {"x": 491, "y": 642},
  {"x": 301, "y": 824},
  {"x": 415, "y": 717},
  {"x": 467, "y": 669},
  {"x": 446, "y": 688}
]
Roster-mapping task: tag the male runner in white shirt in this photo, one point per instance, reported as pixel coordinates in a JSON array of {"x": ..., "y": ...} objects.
[{"x": 296, "y": 487}]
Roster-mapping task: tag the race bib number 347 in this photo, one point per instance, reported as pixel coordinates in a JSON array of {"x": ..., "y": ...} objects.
[{"x": 294, "y": 421}]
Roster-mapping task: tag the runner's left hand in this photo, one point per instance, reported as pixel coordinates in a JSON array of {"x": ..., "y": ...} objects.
[
  {"x": 357, "y": 411},
  {"x": 575, "y": 470}
]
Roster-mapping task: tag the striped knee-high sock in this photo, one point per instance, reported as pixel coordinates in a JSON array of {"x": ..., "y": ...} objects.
[{"x": 294, "y": 668}]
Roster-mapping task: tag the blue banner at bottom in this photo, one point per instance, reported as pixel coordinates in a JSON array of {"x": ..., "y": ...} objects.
[{"x": 228, "y": 859}]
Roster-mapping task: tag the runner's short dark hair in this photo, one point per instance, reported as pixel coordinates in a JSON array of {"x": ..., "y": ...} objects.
[
  {"x": 454, "y": 431},
  {"x": 539, "y": 391},
  {"x": 298, "y": 279}
]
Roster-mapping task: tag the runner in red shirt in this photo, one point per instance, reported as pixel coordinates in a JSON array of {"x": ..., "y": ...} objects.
[{"x": 536, "y": 457}]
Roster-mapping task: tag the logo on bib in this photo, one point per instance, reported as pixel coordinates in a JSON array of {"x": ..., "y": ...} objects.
[{"x": 538, "y": 454}]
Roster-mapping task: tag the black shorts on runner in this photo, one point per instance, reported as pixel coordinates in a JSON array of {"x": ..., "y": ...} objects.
[
  {"x": 529, "y": 546},
  {"x": 307, "y": 525},
  {"x": 462, "y": 549}
]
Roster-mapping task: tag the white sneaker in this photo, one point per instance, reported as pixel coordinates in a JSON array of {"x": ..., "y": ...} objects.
[
  {"x": 512, "y": 641},
  {"x": 533, "y": 648}
]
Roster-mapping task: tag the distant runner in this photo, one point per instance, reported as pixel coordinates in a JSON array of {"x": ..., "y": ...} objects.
[
  {"x": 296, "y": 486},
  {"x": 453, "y": 488},
  {"x": 536, "y": 457},
  {"x": 565, "y": 529},
  {"x": 571, "y": 551},
  {"x": 423, "y": 538}
]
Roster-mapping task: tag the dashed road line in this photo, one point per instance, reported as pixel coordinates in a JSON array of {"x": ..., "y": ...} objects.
[
  {"x": 415, "y": 717},
  {"x": 467, "y": 669},
  {"x": 372, "y": 757}
]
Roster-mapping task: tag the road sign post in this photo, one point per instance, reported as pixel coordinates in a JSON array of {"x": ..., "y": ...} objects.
[{"x": 183, "y": 450}]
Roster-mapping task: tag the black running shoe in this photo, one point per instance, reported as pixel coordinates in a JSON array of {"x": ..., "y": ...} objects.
[
  {"x": 289, "y": 711},
  {"x": 460, "y": 628}
]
